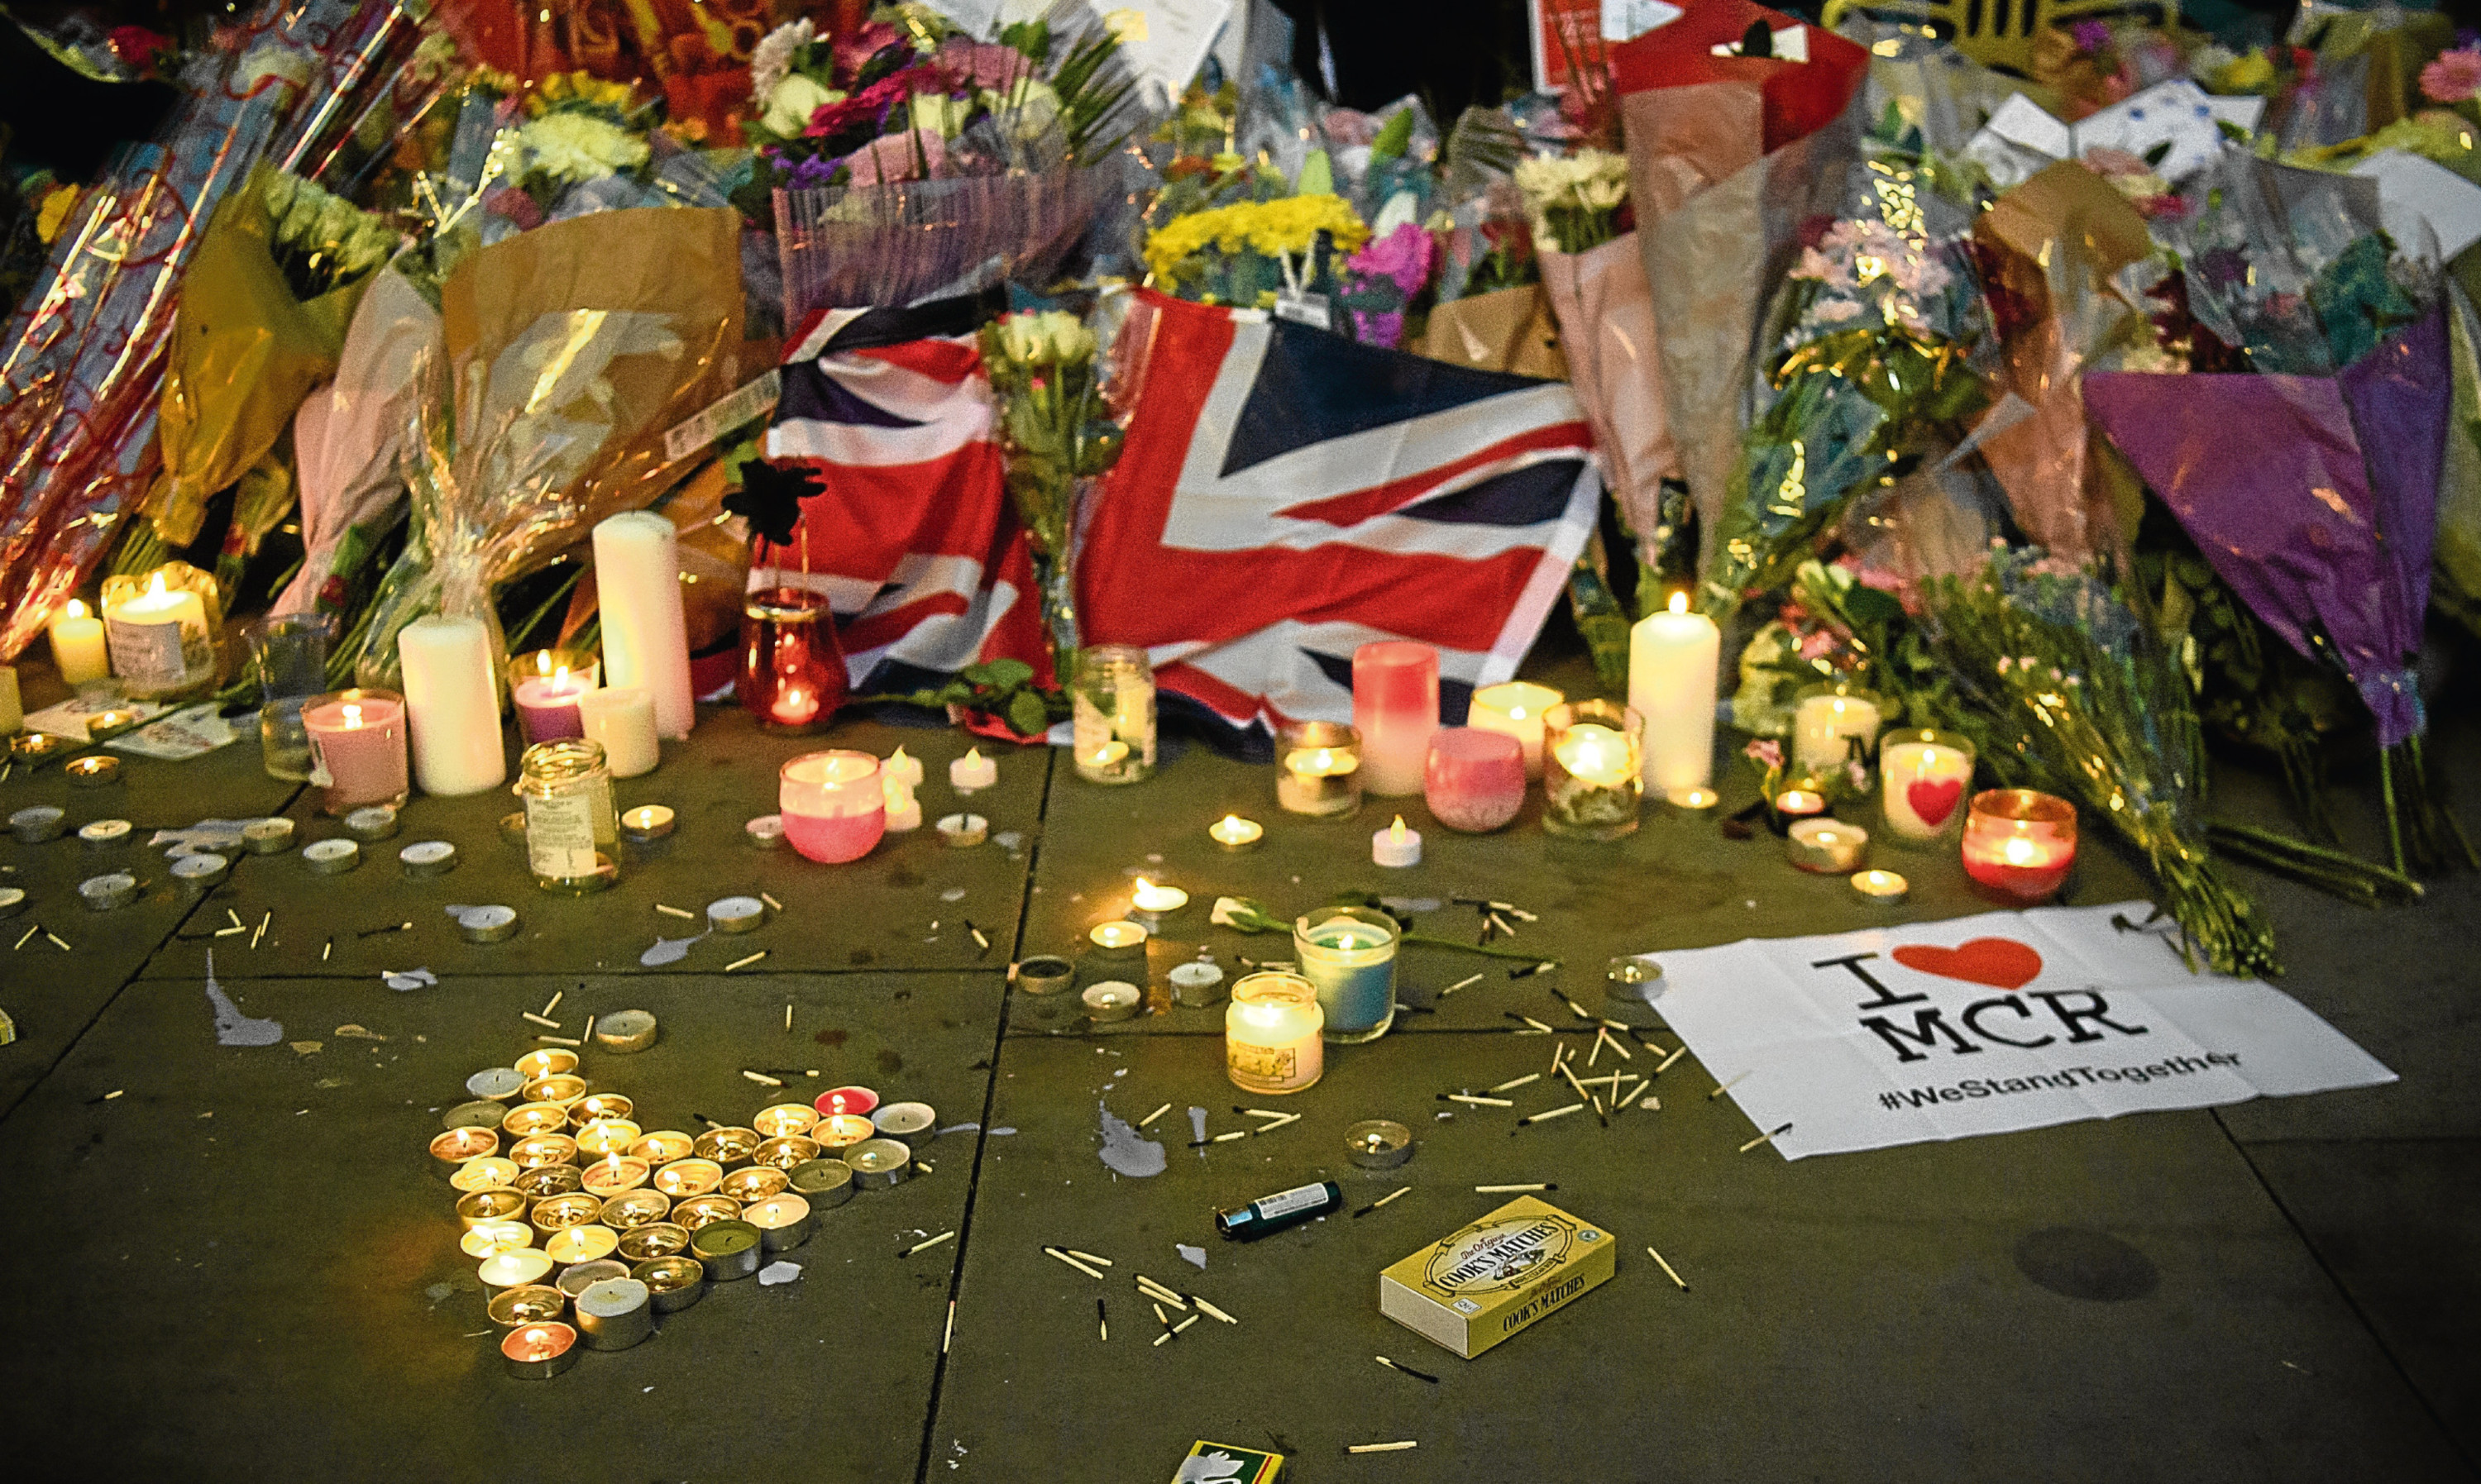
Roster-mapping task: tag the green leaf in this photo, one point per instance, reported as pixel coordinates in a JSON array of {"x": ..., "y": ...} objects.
[
  {"x": 2159, "y": 153},
  {"x": 1028, "y": 714},
  {"x": 1393, "y": 139}
]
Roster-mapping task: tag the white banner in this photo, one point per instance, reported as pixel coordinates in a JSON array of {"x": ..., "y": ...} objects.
[{"x": 1982, "y": 1025}]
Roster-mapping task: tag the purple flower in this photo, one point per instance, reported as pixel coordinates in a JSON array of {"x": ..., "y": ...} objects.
[{"x": 2091, "y": 36}]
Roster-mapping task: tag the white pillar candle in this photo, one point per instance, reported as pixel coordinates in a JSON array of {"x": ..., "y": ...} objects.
[
  {"x": 1672, "y": 661},
  {"x": 77, "y": 646},
  {"x": 1823, "y": 726},
  {"x": 623, "y": 721},
  {"x": 645, "y": 635},
  {"x": 1516, "y": 708},
  {"x": 452, "y": 704}
]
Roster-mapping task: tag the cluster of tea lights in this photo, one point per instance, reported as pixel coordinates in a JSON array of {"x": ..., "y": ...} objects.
[{"x": 589, "y": 1226}]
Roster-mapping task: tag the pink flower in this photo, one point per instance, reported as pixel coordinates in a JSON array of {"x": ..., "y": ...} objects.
[
  {"x": 1403, "y": 256},
  {"x": 1816, "y": 644},
  {"x": 913, "y": 155},
  {"x": 1834, "y": 311},
  {"x": 2091, "y": 36},
  {"x": 2454, "y": 77},
  {"x": 1766, "y": 750}
]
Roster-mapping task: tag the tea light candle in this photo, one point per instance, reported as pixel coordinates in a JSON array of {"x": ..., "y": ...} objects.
[
  {"x": 490, "y": 1239},
  {"x": 539, "y": 1352},
  {"x": 631, "y": 1209},
  {"x": 728, "y": 1146},
  {"x": 647, "y": 823},
  {"x": 1474, "y": 780},
  {"x": 622, "y": 721},
  {"x": 561, "y": 1088},
  {"x": 845, "y": 1099},
  {"x": 550, "y": 1062},
  {"x": 545, "y": 1181},
  {"x": 654, "y": 1241},
  {"x": 1395, "y": 708},
  {"x": 681, "y": 1178},
  {"x": 785, "y": 1120},
  {"x": 603, "y": 1137},
  {"x": 1117, "y": 944},
  {"x": 589, "y": 1243},
  {"x": 514, "y": 1268},
  {"x": 788, "y": 1151},
  {"x": 2020, "y": 844},
  {"x": 660, "y": 1147},
  {"x": 1271, "y": 1041},
  {"x": 534, "y": 1303},
  {"x": 490, "y": 1172},
  {"x": 1318, "y": 769},
  {"x": 835, "y": 808},
  {"x": 578, "y": 1277},
  {"x": 1395, "y": 847},
  {"x": 451, "y": 705},
  {"x": 536, "y": 1151},
  {"x": 159, "y": 639},
  {"x": 1881, "y": 888},
  {"x": 456, "y": 1146},
  {"x": 481, "y": 1206},
  {"x": 1697, "y": 799},
  {"x": 570, "y": 1207},
  {"x": 616, "y": 1314},
  {"x": 645, "y": 629},
  {"x": 1515, "y": 708},
  {"x": 676, "y": 1283},
  {"x": 1156, "y": 902},
  {"x": 88, "y": 772},
  {"x": 547, "y": 706},
  {"x": 700, "y": 1212},
  {"x": 903, "y": 809},
  {"x": 1673, "y": 657},
  {"x": 973, "y": 771},
  {"x": 1237, "y": 834},
  {"x": 783, "y": 1221},
  {"x": 1826, "y": 846},
  {"x": 729, "y": 1249},
  {"x": 78, "y": 645},
  {"x": 1800, "y": 803},
  {"x": 843, "y": 1131},
  {"x": 903, "y": 768},
  {"x": 961, "y": 831},
  {"x": 754, "y": 1183},
  {"x": 1925, "y": 775},
  {"x": 1348, "y": 954},
  {"x": 1111, "y": 1000},
  {"x": 1827, "y": 720}
]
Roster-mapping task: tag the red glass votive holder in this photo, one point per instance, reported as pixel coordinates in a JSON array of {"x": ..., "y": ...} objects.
[
  {"x": 793, "y": 674},
  {"x": 1474, "y": 780},
  {"x": 2020, "y": 845},
  {"x": 835, "y": 808}
]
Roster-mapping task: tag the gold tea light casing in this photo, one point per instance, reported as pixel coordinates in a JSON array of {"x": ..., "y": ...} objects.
[
  {"x": 533, "y": 1304},
  {"x": 880, "y": 1163},
  {"x": 517, "y": 1269},
  {"x": 534, "y": 1151},
  {"x": 579, "y": 1277},
  {"x": 495, "y": 1084},
  {"x": 673, "y": 1283},
  {"x": 1881, "y": 888},
  {"x": 700, "y": 1212},
  {"x": 910, "y": 1124},
  {"x": 843, "y": 1131},
  {"x": 561, "y": 1088},
  {"x": 452, "y": 1148},
  {"x": 681, "y": 1178},
  {"x": 660, "y": 1239},
  {"x": 729, "y": 1249},
  {"x": 613, "y": 1174},
  {"x": 547, "y": 1181},
  {"x": 1111, "y": 1000},
  {"x": 480, "y": 1113},
  {"x": 631, "y": 1209},
  {"x": 623, "y": 1033},
  {"x": 527, "y": 1119},
  {"x": 728, "y": 1146},
  {"x": 1113, "y": 947},
  {"x": 1045, "y": 975},
  {"x": 597, "y": 1138},
  {"x": 662, "y": 1147},
  {"x": 756, "y": 1182},
  {"x": 1378, "y": 1143},
  {"x": 92, "y": 772},
  {"x": 539, "y": 1352},
  {"x": 560, "y": 1213},
  {"x": 788, "y": 1153},
  {"x": 1826, "y": 846},
  {"x": 602, "y": 1105},
  {"x": 589, "y": 1243},
  {"x": 550, "y": 1062},
  {"x": 785, "y": 1119},
  {"x": 478, "y": 1206},
  {"x": 783, "y": 1221},
  {"x": 822, "y": 1183},
  {"x": 488, "y": 1172},
  {"x": 39, "y": 824},
  {"x": 490, "y": 1239}
]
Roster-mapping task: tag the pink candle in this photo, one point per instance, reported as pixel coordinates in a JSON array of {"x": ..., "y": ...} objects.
[
  {"x": 357, "y": 748},
  {"x": 1395, "y": 706},
  {"x": 1475, "y": 778},
  {"x": 834, "y": 807},
  {"x": 547, "y": 706}
]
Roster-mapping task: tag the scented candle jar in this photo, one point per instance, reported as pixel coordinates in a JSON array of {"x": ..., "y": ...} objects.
[
  {"x": 1114, "y": 715},
  {"x": 1833, "y": 725},
  {"x": 1593, "y": 781},
  {"x": 572, "y": 832},
  {"x": 834, "y": 805},
  {"x": 1925, "y": 775},
  {"x": 1348, "y": 955},
  {"x": 1474, "y": 781},
  {"x": 1318, "y": 769},
  {"x": 358, "y": 749},
  {"x": 1271, "y": 1033},
  {"x": 2020, "y": 845}
]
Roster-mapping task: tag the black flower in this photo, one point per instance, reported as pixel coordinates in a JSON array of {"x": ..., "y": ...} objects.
[{"x": 770, "y": 498}]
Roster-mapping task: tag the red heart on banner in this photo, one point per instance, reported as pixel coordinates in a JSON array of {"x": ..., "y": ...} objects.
[
  {"x": 2003, "y": 963},
  {"x": 1933, "y": 802}
]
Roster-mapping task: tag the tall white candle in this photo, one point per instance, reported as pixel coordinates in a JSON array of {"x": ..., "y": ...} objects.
[
  {"x": 77, "y": 646},
  {"x": 645, "y": 635},
  {"x": 623, "y": 722},
  {"x": 1672, "y": 661},
  {"x": 452, "y": 703}
]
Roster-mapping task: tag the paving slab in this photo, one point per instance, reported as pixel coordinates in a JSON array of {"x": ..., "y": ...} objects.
[
  {"x": 906, "y": 905},
  {"x": 157, "y": 793},
  {"x": 255, "y": 1276},
  {"x": 2091, "y": 1301}
]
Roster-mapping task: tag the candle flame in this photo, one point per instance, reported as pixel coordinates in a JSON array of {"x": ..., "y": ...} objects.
[
  {"x": 1231, "y": 825},
  {"x": 2018, "y": 851},
  {"x": 1516, "y": 714},
  {"x": 972, "y": 754},
  {"x": 1678, "y": 603},
  {"x": 1321, "y": 760},
  {"x": 156, "y": 588},
  {"x": 1347, "y": 943},
  {"x": 542, "y": 662},
  {"x": 352, "y": 714},
  {"x": 75, "y": 609},
  {"x": 1144, "y": 886},
  {"x": 1396, "y": 831}
]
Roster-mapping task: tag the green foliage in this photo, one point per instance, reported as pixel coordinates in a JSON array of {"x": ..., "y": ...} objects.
[{"x": 1000, "y": 688}]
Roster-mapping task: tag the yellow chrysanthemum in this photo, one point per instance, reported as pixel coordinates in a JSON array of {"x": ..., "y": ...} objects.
[{"x": 1272, "y": 228}]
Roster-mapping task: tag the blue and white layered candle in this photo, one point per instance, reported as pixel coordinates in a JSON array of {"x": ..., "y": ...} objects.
[{"x": 1348, "y": 953}]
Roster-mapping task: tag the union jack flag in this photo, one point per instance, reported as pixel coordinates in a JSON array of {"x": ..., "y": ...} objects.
[{"x": 1285, "y": 496}]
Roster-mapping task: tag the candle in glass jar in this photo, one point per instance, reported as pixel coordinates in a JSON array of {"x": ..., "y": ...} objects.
[
  {"x": 1672, "y": 661},
  {"x": 1593, "y": 784},
  {"x": 451, "y": 705},
  {"x": 1317, "y": 768},
  {"x": 547, "y": 706},
  {"x": 357, "y": 751},
  {"x": 1827, "y": 723},
  {"x": 1925, "y": 775},
  {"x": 835, "y": 808},
  {"x": 1516, "y": 708},
  {"x": 78, "y": 648},
  {"x": 159, "y": 639},
  {"x": 1348, "y": 955},
  {"x": 622, "y": 721},
  {"x": 1272, "y": 1033},
  {"x": 2018, "y": 843},
  {"x": 1395, "y": 708},
  {"x": 1474, "y": 780}
]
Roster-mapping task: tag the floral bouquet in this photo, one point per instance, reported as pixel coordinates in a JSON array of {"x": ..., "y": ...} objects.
[
  {"x": 1247, "y": 253},
  {"x": 1055, "y": 433}
]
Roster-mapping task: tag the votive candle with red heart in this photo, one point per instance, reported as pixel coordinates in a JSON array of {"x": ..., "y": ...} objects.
[
  {"x": 2020, "y": 845},
  {"x": 1926, "y": 774}
]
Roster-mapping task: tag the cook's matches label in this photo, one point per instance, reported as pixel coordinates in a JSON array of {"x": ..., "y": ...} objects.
[{"x": 1498, "y": 1255}]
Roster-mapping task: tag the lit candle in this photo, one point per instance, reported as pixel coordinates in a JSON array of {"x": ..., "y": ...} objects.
[
  {"x": 1696, "y": 798},
  {"x": 681, "y": 1178},
  {"x": 1235, "y": 833},
  {"x": 1672, "y": 661},
  {"x": 783, "y": 1220},
  {"x": 1474, "y": 780},
  {"x": 905, "y": 767},
  {"x": 455, "y": 1147},
  {"x": 1348, "y": 954},
  {"x": 835, "y": 808},
  {"x": 357, "y": 755},
  {"x": 845, "y": 1099},
  {"x": 490, "y": 1239},
  {"x": 451, "y": 705},
  {"x": 589, "y": 1243},
  {"x": 159, "y": 639},
  {"x": 1156, "y": 901},
  {"x": 785, "y": 1120},
  {"x": 622, "y": 721},
  {"x": 973, "y": 771},
  {"x": 601, "y": 1136},
  {"x": 1119, "y": 944},
  {"x": 1395, "y": 846},
  {"x": 1593, "y": 784},
  {"x": 660, "y": 1147},
  {"x": 1395, "y": 708},
  {"x": 844, "y": 1130},
  {"x": 1272, "y": 1033},
  {"x": 1112, "y": 714},
  {"x": 514, "y": 1268},
  {"x": 1800, "y": 803},
  {"x": 547, "y": 706},
  {"x": 754, "y": 1183},
  {"x": 488, "y": 1172},
  {"x": 1515, "y": 708},
  {"x": 1827, "y": 723},
  {"x": 903, "y": 809},
  {"x": 2020, "y": 845},
  {"x": 537, "y": 1352},
  {"x": 1317, "y": 768},
  {"x": 1826, "y": 846},
  {"x": 1925, "y": 774},
  {"x": 1881, "y": 888},
  {"x": 645, "y": 632},
  {"x": 78, "y": 645}
]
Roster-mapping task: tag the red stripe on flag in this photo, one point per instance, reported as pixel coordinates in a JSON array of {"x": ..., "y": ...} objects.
[
  {"x": 860, "y": 636},
  {"x": 871, "y": 516},
  {"x": 953, "y": 361},
  {"x": 1381, "y": 499}
]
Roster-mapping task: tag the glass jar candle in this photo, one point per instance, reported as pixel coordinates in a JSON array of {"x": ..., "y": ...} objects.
[
  {"x": 1516, "y": 708},
  {"x": 288, "y": 660},
  {"x": 1348, "y": 956},
  {"x": 1317, "y": 768},
  {"x": 1475, "y": 778},
  {"x": 834, "y": 805},
  {"x": 1395, "y": 705},
  {"x": 1833, "y": 725},
  {"x": 1270, "y": 1033},
  {"x": 572, "y": 831},
  {"x": 1592, "y": 782},
  {"x": 793, "y": 674},
  {"x": 1925, "y": 774},
  {"x": 1113, "y": 705},
  {"x": 2018, "y": 843},
  {"x": 161, "y": 631},
  {"x": 358, "y": 754}
]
